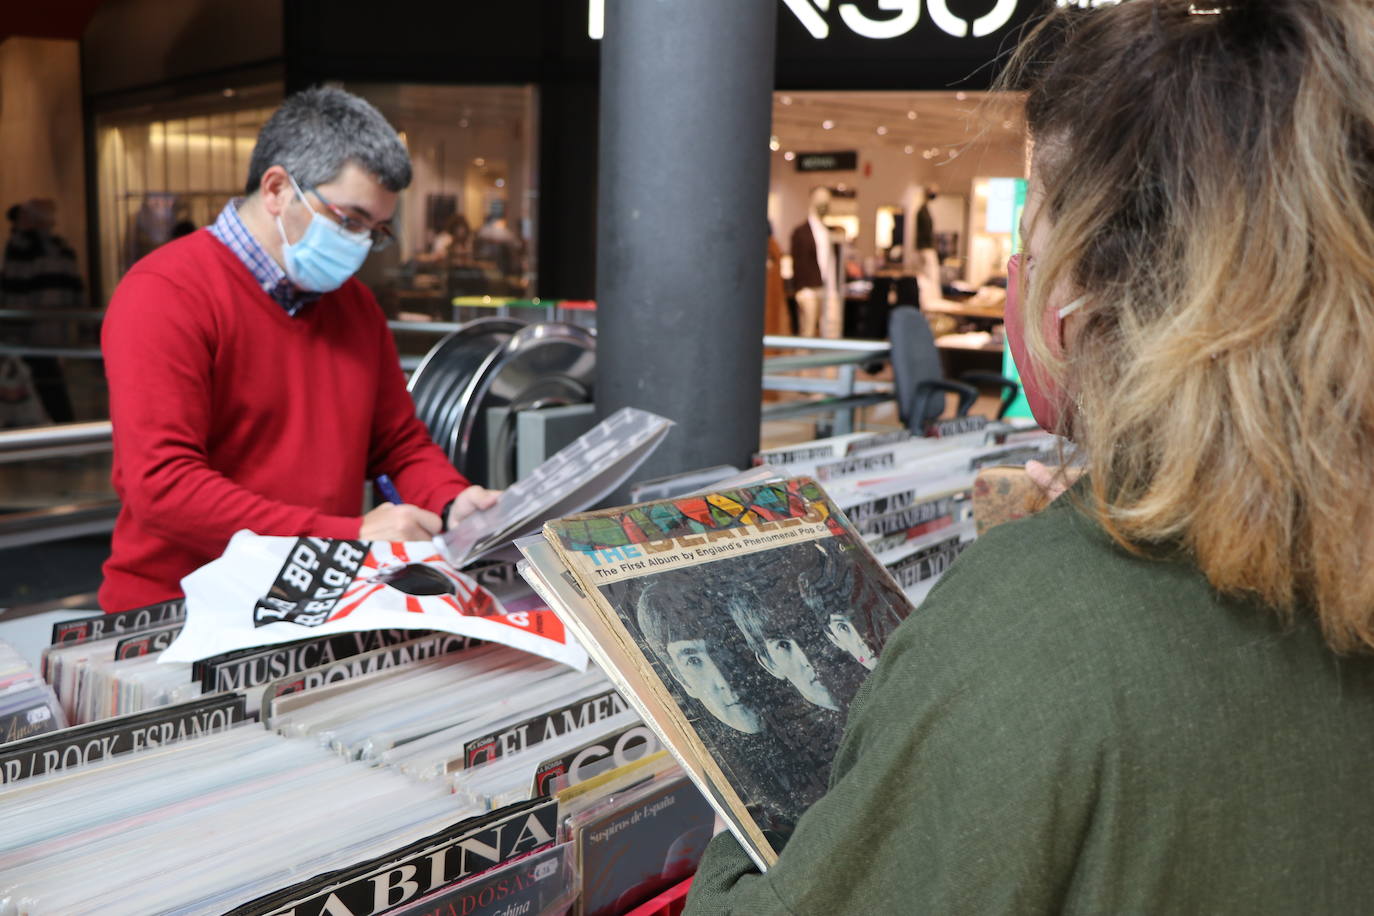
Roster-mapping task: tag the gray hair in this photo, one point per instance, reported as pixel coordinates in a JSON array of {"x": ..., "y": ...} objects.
[{"x": 315, "y": 133}]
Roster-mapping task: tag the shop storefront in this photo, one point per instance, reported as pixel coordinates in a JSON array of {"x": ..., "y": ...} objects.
[{"x": 498, "y": 104}]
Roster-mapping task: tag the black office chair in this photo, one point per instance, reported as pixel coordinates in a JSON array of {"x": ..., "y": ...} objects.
[
  {"x": 919, "y": 378},
  {"x": 1010, "y": 389}
]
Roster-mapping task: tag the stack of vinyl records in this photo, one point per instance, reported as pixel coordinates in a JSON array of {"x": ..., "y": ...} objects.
[
  {"x": 911, "y": 498},
  {"x": 381, "y": 751},
  {"x": 210, "y": 823},
  {"x": 410, "y": 771}
]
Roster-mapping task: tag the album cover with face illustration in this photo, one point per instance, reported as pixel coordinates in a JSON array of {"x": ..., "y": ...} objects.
[{"x": 745, "y": 622}]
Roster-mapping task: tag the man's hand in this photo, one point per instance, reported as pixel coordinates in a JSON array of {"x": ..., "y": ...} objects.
[
  {"x": 390, "y": 522},
  {"x": 473, "y": 499}
]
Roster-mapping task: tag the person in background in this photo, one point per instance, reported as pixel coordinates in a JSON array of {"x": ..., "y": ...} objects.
[
  {"x": 253, "y": 381},
  {"x": 451, "y": 244},
  {"x": 1157, "y": 694},
  {"x": 40, "y": 272},
  {"x": 927, "y": 258},
  {"x": 183, "y": 227},
  {"x": 455, "y": 242}
]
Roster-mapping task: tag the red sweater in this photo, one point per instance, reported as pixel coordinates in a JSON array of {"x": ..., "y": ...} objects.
[{"x": 229, "y": 413}]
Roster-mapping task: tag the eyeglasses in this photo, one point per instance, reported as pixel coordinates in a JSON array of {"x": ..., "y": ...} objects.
[{"x": 382, "y": 235}]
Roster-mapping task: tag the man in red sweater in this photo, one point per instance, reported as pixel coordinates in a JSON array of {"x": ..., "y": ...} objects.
[{"x": 253, "y": 382}]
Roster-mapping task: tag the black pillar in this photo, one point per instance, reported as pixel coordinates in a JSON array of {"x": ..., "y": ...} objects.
[
  {"x": 567, "y": 187},
  {"x": 686, "y": 109}
]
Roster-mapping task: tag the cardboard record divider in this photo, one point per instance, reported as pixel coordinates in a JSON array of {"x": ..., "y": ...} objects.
[{"x": 498, "y": 363}]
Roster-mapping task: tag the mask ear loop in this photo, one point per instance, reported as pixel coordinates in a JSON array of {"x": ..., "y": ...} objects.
[
  {"x": 1069, "y": 309},
  {"x": 1073, "y": 306},
  {"x": 281, "y": 229}
]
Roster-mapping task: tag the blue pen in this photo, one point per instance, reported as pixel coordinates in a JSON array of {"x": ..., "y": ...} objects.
[{"x": 388, "y": 489}]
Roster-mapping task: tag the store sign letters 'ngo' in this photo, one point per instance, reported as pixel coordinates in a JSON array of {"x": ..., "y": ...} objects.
[{"x": 907, "y": 13}]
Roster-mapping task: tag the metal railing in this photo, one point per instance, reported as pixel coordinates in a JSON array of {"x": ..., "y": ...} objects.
[
  {"x": 842, "y": 396},
  {"x": 55, "y": 441},
  {"x": 57, "y": 523}
]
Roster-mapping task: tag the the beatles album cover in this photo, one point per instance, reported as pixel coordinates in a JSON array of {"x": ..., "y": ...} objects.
[{"x": 760, "y": 611}]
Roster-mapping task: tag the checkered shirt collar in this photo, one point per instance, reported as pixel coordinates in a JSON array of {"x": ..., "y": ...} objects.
[{"x": 230, "y": 230}]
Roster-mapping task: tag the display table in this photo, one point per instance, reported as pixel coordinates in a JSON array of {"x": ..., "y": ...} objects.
[
  {"x": 965, "y": 310},
  {"x": 964, "y": 352}
]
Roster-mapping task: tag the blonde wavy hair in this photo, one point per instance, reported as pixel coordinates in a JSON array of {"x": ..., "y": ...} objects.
[{"x": 1208, "y": 175}]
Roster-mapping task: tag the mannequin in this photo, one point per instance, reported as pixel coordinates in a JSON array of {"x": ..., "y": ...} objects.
[{"x": 813, "y": 264}]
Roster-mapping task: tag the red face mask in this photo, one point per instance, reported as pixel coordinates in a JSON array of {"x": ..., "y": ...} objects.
[{"x": 1046, "y": 400}]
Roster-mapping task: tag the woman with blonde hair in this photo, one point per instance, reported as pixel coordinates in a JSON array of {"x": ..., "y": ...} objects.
[{"x": 1157, "y": 695}]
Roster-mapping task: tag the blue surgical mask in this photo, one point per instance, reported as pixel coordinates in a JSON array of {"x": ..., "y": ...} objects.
[{"x": 326, "y": 255}]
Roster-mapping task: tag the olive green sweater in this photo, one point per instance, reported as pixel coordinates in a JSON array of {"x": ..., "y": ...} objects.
[{"x": 1062, "y": 726}]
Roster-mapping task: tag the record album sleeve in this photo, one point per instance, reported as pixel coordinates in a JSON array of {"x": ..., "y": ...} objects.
[
  {"x": 740, "y": 624},
  {"x": 642, "y": 846}
]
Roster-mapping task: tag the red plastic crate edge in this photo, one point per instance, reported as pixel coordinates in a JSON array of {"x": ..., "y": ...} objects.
[{"x": 668, "y": 903}]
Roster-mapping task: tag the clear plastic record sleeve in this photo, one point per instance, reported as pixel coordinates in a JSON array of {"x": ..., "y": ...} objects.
[{"x": 577, "y": 476}]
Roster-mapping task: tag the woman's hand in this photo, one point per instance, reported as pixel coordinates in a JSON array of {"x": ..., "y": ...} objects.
[{"x": 1052, "y": 481}]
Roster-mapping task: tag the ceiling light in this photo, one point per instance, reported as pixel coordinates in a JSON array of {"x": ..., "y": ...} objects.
[
  {"x": 911, "y": 115},
  {"x": 882, "y": 131},
  {"x": 827, "y": 124},
  {"x": 908, "y": 149},
  {"x": 463, "y": 122},
  {"x": 479, "y": 162},
  {"x": 1008, "y": 125},
  {"x": 961, "y": 96},
  {"x": 789, "y": 155},
  {"x": 786, "y": 100},
  {"x": 773, "y": 144}
]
